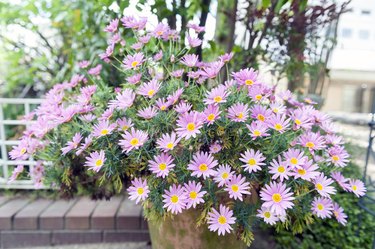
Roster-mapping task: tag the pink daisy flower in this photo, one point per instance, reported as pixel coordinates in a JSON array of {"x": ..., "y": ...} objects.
[
  {"x": 261, "y": 113},
  {"x": 215, "y": 147},
  {"x": 95, "y": 160},
  {"x": 123, "y": 100},
  {"x": 334, "y": 139},
  {"x": 148, "y": 112},
  {"x": 175, "y": 199},
  {"x": 177, "y": 73},
  {"x": 161, "y": 165},
  {"x": 194, "y": 42},
  {"x": 279, "y": 169},
  {"x": 278, "y": 108},
  {"x": 301, "y": 119},
  {"x": 257, "y": 129},
  {"x": 195, "y": 27},
  {"x": 183, "y": 107},
  {"x": 124, "y": 124},
  {"x": 295, "y": 158},
  {"x": 149, "y": 89},
  {"x": 338, "y": 156},
  {"x": 238, "y": 112},
  {"x": 322, "y": 185},
  {"x": 267, "y": 216},
  {"x": 189, "y": 124},
  {"x": 307, "y": 171},
  {"x": 173, "y": 98},
  {"x": 223, "y": 174},
  {"x": 237, "y": 186},
  {"x": 322, "y": 207},
  {"x": 132, "y": 140},
  {"x": 72, "y": 145},
  {"x": 253, "y": 160},
  {"x": 138, "y": 191},
  {"x": 103, "y": 128},
  {"x": 20, "y": 152},
  {"x": 158, "y": 56},
  {"x": 339, "y": 214},
  {"x": 279, "y": 122},
  {"x": 246, "y": 77},
  {"x": 190, "y": 60},
  {"x": 226, "y": 57},
  {"x": 132, "y": 23},
  {"x": 277, "y": 197},
  {"x": 312, "y": 141},
  {"x": 162, "y": 104},
  {"x": 85, "y": 145},
  {"x": 134, "y": 79},
  {"x": 202, "y": 165},
  {"x": 160, "y": 30},
  {"x": 357, "y": 187},
  {"x": 133, "y": 61},
  {"x": 221, "y": 221},
  {"x": 194, "y": 194},
  {"x": 216, "y": 96},
  {"x": 341, "y": 180},
  {"x": 167, "y": 142},
  {"x": 258, "y": 93},
  {"x": 211, "y": 113}
]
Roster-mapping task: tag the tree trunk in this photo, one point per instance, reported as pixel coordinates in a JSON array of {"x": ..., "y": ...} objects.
[{"x": 202, "y": 22}]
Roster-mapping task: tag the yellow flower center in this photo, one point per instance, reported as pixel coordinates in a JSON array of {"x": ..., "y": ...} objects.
[
  {"x": 257, "y": 133},
  {"x": 140, "y": 190},
  {"x": 225, "y": 175},
  {"x": 281, "y": 169},
  {"x": 258, "y": 97},
  {"x": 249, "y": 82},
  {"x": 320, "y": 206},
  {"x": 125, "y": 127},
  {"x": 267, "y": 214},
  {"x": 190, "y": 127},
  {"x": 251, "y": 162},
  {"x": 335, "y": 158},
  {"x": 134, "y": 141},
  {"x": 261, "y": 117},
  {"x": 319, "y": 186},
  {"x": 170, "y": 146},
  {"x": 99, "y": 163},
  {"x": 174, "y": 199},
  {"x": 23, "y": 151},
  {"x": 159, "y": 32},
  {"x": 297, "y": 121},
  {"x": 222, "y": 220},
  {"x": 151, "y": 93},
  {"x": 293, "y": 160},
  {"x": 354, "y": 187},
  {"x": 193, "y": 195},
  {"x": 163, "y": 107},
  {"x": 310, "y": 145},
  {"x": 134, "y": 63},
  {"x": 278, "y": 127},
  {"x": 277, "y": 197},
  {"x": 162, "y": 166},
  {"x": 301, "y": 172},
  {"x": 240, "y": 115},
  {"x": 235, "y": 188},
  {"x": 104, "y": 132},
  {"x": 211, "y": 117},
  {"x": 203, "y": 167},
  {"x": 218, "y": 99},
  {"x": 275, "y": 110},
  {"x": 336, "y": 214}
]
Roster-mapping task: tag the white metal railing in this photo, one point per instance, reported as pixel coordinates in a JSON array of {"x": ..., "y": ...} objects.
[{"x": 6, "y": 144}]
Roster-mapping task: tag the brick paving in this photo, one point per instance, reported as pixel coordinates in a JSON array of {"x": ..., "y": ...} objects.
[{"x": 26, "y": 223}]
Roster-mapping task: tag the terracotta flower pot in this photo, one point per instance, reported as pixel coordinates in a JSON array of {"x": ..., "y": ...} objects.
[{"x": 181, "y": 232}]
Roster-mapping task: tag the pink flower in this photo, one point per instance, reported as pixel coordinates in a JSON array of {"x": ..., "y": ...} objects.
[
  {"x": 175, "y": 199},
  {"x": 144, "y": 39},
  {"x": 134, "y": 79},
  {"x": 83, "y": 64},
  {"x": 279, "y": 169},
  {"x": 177, "y": 73},
  {"x": 16, "y": 172},
  {"x": 216, "y": 96},
  {"x": 183, "y": 107},
  {"x": 124, "y": 124},
  {"x": 167, "y": 142},
  {"x": 237, "y": 186},
  {"x": 357, "y": 187},
  {"x": 158, "y": 56},
  {"x": 85, "y": 145},
  {"x": 338, "y": 156},
  {"x": 223, "y": 174},
  {"x": 322, "y": 207},
  {"x": 71, "y": 145},
  {"x": 226, "y": 57},
  {"x": 148, "y": 112},
  {"x": 194, "y": 194},
  {"x": 112, "y": 27},
  {"x": 246, "y": 77},
  {"x": 195, "y": 27},
  {"x": 160, "y": 30},
  {"x": 202, "y": 165},
  {"x": 341, "y": 180},
  {"x": 149, "y": 89},
  {"x": 103, "y": 128},
  {"x": 253, "y": 160},
  {"x": 260, "y": 113},
  {"x": 131, "y": 22},
  {"x": 211, "y": 113},
  {"x": 194, "y": 42},
  {"x": 322, "y": 185},
  {"x": 257, "y": 129},
  {"x": 277, "y": 108},
  {"x": 211, "y": 71},
  {"x": 312, "y": 141},
  {"x": 277, "y": 197},
  {"x": 133, "y": 61},
  {"x": 162, "y": 104},
  {"x": 95, "y": 161},
  {"x": 189, "y": 124},
  {"x": 279, "y": 122},
  {"x": 307, "y": 171},
  {"x": 123, "y": 100},
  {"x": 173, "y": 98},
  {"x": 238, "y": 112},
  {"x": 161, "y": 165},
  {"x": 301, "y": 119},
  {"x": 267, "y": 216},
  {"x": 133, "y": 140},
  {"x": 215, "y": 147},
  {"x": 95, "y": 70},
  {"x": 295, "y": 158},
  {"x": 138, "y": 191},
  {"x": 339, "y": 214},
  {"x": 190, "y": 60},
  {"x": 20, "y": 152},
  {"x": 221, "y": 221}
]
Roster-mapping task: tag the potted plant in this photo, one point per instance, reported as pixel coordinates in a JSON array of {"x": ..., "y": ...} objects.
[{"x": 206, "y": 157}]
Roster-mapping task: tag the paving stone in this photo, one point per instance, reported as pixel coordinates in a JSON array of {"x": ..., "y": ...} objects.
[
  {"x": 78, "y": 217},
  {"x": 126, "y": 236},
  {"x": 27, "y": 218},
  {"x": 4, "y": 199},
  {"x": 104, "y": 214},
  {"x": 52, "y": 218},
  {"x": 129, "y": 216},
  {"x": 8, "y": 210},
  {"x": 25, "y": 239},
  {"x": 60, "y": 237}
]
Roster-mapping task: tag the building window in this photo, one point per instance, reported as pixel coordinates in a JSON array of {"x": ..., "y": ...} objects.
[
  {"x": 346, "y": 33},
  {"x": 366, "y": 12},
  {"x": 364, "y": 34}
]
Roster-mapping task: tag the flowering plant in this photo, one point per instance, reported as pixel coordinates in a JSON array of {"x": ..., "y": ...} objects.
[{"x": 183, "y": 138}]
